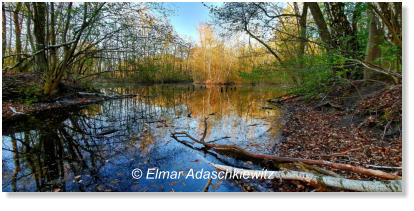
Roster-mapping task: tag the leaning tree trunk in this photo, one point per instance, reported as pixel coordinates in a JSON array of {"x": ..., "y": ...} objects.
[
  {"x": 321, "y": 24},
  {"x": 333, "y": 182}
]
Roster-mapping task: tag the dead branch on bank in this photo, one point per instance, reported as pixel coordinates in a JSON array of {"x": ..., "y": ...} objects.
[
  {"x": 334, "y": 182},
  {"x": 223, "y": 148}
]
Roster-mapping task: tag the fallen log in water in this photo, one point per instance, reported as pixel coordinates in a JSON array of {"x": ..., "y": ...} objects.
[
  {"x": 333, "y": 182},
  {"x": 240, "y": 151}
]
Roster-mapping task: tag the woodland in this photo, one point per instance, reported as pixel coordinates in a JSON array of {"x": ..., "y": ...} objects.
[{"x": 338, "y": 64}]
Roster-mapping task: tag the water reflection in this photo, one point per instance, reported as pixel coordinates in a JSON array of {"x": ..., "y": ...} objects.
[{"x": 96, "y": 147}]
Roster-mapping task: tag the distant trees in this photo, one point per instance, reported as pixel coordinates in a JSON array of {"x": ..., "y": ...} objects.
[{"x": 221, "y": 59}]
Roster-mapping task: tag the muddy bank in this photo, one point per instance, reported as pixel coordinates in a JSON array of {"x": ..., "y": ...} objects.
[
  {"x": 21, "y": 97},
  {"x": 364, "y": 131},
  {"x": 14, "y": 110}
]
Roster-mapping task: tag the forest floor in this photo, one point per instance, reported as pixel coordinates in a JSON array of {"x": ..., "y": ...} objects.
[{"x": 362, "y": 129}]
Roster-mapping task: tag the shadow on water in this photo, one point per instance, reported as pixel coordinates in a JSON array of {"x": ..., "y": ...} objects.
[{"x": 95, "y": 148}]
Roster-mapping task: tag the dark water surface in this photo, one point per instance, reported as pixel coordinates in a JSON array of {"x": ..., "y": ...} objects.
[{"x": 96, "y": 147}]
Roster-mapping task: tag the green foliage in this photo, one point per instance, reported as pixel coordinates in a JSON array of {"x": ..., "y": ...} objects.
[
  {"x": 266, "y": 75},
  {"x": 315, "y": 81},
  {"x": 390, "y": 54},
  {"x": 30, "y": 93},
  {"x": 312, "y": 79},
  {"x": 156, "y": 74},
  {"x": 88, "y": 86},
  {"x": 316, "y": 75}
]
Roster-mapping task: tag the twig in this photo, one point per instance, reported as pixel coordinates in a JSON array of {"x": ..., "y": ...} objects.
[
  {"x": 218, "y": 139},
  {"x": 205, "y": 189},
  {"x": 205, "y": 130},
  {"x": 385, "y": 130}
]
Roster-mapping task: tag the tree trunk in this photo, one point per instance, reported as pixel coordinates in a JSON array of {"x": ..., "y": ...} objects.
[
  {"x": 53, "y": 53},
  {"x": 341, "y": 30},
  {"x": 29, "y": 25},
  {"x": 334, "y": 182},
  {"x": 39, "y": 19},
  {"x": 17, "y": 30},
  {"x": 322, "y": 26},
  {"x": 302, "y": 34},
  {"x": 3, "y": 31},
  {"x": 302, "y": 38},
  {"x": 373, "y": 50},
  {"x": 391, "y": 16}
]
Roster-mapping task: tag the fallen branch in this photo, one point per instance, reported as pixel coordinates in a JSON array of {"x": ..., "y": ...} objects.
[
  {"x": 376, "y": 68},
  {"x": 339, "y": 154},
  {"x": 238, "y": 150},
  {"x": 281, "y": 99},
  {"x": 334, "y": 182},
  {"x": 328, "y": 103},
  {"x": 205, "y": 189},
  {"x": 385, "y": 167}
]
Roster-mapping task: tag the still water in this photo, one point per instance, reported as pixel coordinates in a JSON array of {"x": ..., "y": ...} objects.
[{"x": 95, "y": 148}]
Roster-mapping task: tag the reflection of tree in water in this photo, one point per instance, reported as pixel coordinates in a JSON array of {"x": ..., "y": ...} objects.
[
  {"x": 44, "y": 152},
  {"x": 74, "y": 146},
  {"x": 246, "y": 101},
  {"x": 50, "y": 153}
]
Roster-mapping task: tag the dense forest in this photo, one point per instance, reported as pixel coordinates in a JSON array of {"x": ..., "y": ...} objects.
[{"x": 311, "y": 91}]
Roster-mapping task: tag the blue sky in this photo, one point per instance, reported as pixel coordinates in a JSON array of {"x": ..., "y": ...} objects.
[{"x": 187, "y": 17}]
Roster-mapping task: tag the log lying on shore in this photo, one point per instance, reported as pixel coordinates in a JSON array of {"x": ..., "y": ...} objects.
[
  {"x": 238, "y": 150},
  {"x": 328, "y": 181},
  {"x": 282, "y": 99}
]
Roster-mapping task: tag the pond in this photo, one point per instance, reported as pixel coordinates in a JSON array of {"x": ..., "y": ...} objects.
[{"x": 96, "y": 147}]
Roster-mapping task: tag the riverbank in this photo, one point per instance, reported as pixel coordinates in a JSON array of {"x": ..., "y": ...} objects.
[
  {"x": 363, "y": 129},
  {"x": 21, "y": 96}
]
